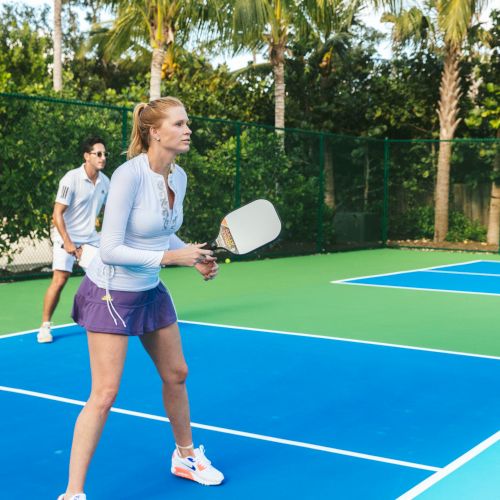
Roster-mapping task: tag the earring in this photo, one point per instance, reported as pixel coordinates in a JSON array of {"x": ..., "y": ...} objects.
[{"x": 157, "y": 138}]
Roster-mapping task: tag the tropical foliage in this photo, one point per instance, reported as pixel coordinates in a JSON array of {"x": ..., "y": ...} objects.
[
  {"x": 335, "y": 83},
  {"x": 447, "y": 28}
]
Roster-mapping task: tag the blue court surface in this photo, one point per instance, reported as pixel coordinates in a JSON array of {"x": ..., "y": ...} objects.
[
  {"x": 284, "y": 416},
  {"x": 476, "y": 277}
]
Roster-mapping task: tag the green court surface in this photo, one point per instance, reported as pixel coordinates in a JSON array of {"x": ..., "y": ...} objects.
[{"x": 296, "y": 294}]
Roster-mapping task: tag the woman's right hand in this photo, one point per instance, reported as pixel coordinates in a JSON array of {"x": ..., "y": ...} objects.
[{"x": 188, "y": 256}]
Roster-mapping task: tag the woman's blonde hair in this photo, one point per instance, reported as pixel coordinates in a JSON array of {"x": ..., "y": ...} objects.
[{"x": 147, "y": 116}]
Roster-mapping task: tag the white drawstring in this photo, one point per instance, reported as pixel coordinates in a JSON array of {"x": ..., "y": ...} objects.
[{"x": 108, "y": 298}]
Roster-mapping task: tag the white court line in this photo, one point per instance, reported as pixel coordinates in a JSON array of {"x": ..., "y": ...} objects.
[
  {"x": 342, "y": 281},
  {"x": 341, "y": 339},
  {"x": 223, "y": 430},
  {"x": 422, "y": 269},
  {"x": 309, "y": 335},
  {"x": 444, "y": 290},
  {"x": 26, "y": 332},
  {"x": 453, "y": 466},
  {"x": 462, "y": 273}
]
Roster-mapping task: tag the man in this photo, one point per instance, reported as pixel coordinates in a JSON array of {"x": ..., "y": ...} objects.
[{"x": 80, "y": 197}]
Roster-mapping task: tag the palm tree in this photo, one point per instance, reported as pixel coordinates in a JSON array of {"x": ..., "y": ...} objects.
[
  {"x": 445, "y": 30},
  {"x": 155, "y": 23},
  {"x": 489, "y": 111},
  {"x": 57, "y": 40},
  {"x": 271, "y": 24},
  {"x": 259, "y": 22}
]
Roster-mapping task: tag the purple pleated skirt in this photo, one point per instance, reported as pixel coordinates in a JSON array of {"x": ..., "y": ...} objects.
[{"x": 140, "y": 312}]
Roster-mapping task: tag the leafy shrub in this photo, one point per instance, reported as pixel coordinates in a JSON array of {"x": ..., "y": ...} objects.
[
  {"x": 415, "y": 223},
  {"x": 461, "y": 228},
  {"x": 418, "y": 223},
  {"x": 40, "y": 143}
]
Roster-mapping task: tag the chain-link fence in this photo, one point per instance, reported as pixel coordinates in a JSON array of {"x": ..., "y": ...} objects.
[
  {"x": 332, "y": 192},
  {"x": 39, "y": 142},
  {"x": 474, "y": 167}
]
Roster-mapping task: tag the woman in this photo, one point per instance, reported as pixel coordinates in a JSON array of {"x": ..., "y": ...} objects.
[{"x": 122, "y": 295}]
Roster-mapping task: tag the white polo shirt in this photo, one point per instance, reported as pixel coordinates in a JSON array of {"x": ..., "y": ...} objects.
[{"x": 84, "y": 200}]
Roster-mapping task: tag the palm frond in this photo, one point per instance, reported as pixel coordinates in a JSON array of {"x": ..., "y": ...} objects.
[
  {"x": 456, "y": 17},
  {"x": 409, "y": 27},
  {"x": 264, "y": 68}
]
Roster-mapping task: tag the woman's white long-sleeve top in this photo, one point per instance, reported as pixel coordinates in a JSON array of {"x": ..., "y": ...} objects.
[{"x": 138, "y": 226}]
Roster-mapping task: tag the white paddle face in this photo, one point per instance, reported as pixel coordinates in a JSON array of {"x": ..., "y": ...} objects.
[{"x": 249, "y": 227}]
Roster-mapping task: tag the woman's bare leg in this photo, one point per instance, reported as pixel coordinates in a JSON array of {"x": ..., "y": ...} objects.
[
  {"x": 107, "y": 357},
  {"x": 165, "y": 348}
]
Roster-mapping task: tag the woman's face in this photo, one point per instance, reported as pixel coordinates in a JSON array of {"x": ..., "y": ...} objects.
[{"x": 174, "y": 133}]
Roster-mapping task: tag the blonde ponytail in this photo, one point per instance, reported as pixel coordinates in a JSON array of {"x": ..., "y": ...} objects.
[
  {"x": 145, "y": 117},
  {"x": 137, "y": 144}
]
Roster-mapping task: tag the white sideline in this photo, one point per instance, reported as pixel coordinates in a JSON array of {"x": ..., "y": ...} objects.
[
  {"x": 434, "y": 269},
  {"x": 409, "y": 271},
  {"x": 298, "y": 334},
  {"x": 26, "y": 332},
  {"x": 411, "y": 288},
  {"x": 233, "y": 432},
  {"x": 341, "y": 339},
  {"x": 461, "y": 273},
  {"x": 451, "y": 467}
]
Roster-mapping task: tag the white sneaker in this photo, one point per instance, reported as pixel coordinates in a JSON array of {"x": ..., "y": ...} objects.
[
  {"x": 78, "y": 496},
  {"x": 44, "y": 336},
  {"x": 197, "y": 468}
]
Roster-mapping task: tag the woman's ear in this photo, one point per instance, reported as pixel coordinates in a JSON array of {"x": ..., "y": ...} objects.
[{"x": 153, "y": 134}]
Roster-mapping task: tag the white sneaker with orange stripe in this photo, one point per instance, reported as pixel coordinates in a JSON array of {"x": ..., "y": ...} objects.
[{"x": 197, "y": 468}]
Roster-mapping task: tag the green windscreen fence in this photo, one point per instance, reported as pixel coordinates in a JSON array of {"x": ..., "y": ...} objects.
[
  {"x": 474, "y": 165},
  {"x": 332, "y": 192},
  {"x": 354, "y": 191},
  {"x": 39, "y": 142}
]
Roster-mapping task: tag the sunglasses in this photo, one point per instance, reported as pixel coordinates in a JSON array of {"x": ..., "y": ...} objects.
[{"x": 99, "y": 154}]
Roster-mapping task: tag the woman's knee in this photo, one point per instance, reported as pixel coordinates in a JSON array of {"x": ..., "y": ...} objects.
[
  {"x": 103, "y": 399},
  {"x": 177, "y": 374}
]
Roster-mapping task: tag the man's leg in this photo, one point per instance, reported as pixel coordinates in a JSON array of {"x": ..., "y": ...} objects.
[
  {"x": 62, "y": 265},
  {"x": 50, "y": 301}
]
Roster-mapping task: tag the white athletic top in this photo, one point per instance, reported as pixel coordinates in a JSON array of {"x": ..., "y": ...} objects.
[
  {"x": 84, "y": 200},
  {"x": 138, "y": 226}
]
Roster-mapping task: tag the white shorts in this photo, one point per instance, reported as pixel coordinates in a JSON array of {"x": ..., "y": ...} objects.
[{"x": 62, "y": 260}]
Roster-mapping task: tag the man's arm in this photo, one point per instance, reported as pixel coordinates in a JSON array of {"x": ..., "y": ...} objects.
[{"x": 58, "y": 220}]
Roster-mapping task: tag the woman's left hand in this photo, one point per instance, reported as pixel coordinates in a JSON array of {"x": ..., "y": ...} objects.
[{"x": 208, "y": 269}]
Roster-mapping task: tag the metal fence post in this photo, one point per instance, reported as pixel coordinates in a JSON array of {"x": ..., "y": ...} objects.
[
  {"x": 385, "y": 215},
  {"x": 124, "y": 130},
  {"x": 321, "y": 194},
  {"x": 237, "y": 179}
]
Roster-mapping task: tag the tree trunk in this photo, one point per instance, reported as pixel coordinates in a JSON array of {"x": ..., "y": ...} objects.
[
  {"x": 278, "y": 63},
  {"x": 57, "y": 40},
  {"x": 493, "y": 236},
  {"x": 164, "y": 35},
  {"x": 156, "y": 67},
  {"x": 449, "y": 97},
  {"x": 329, "y": 177}
]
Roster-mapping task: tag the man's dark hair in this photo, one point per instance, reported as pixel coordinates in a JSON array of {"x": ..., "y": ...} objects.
[{"x": 88, "y": 144}]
